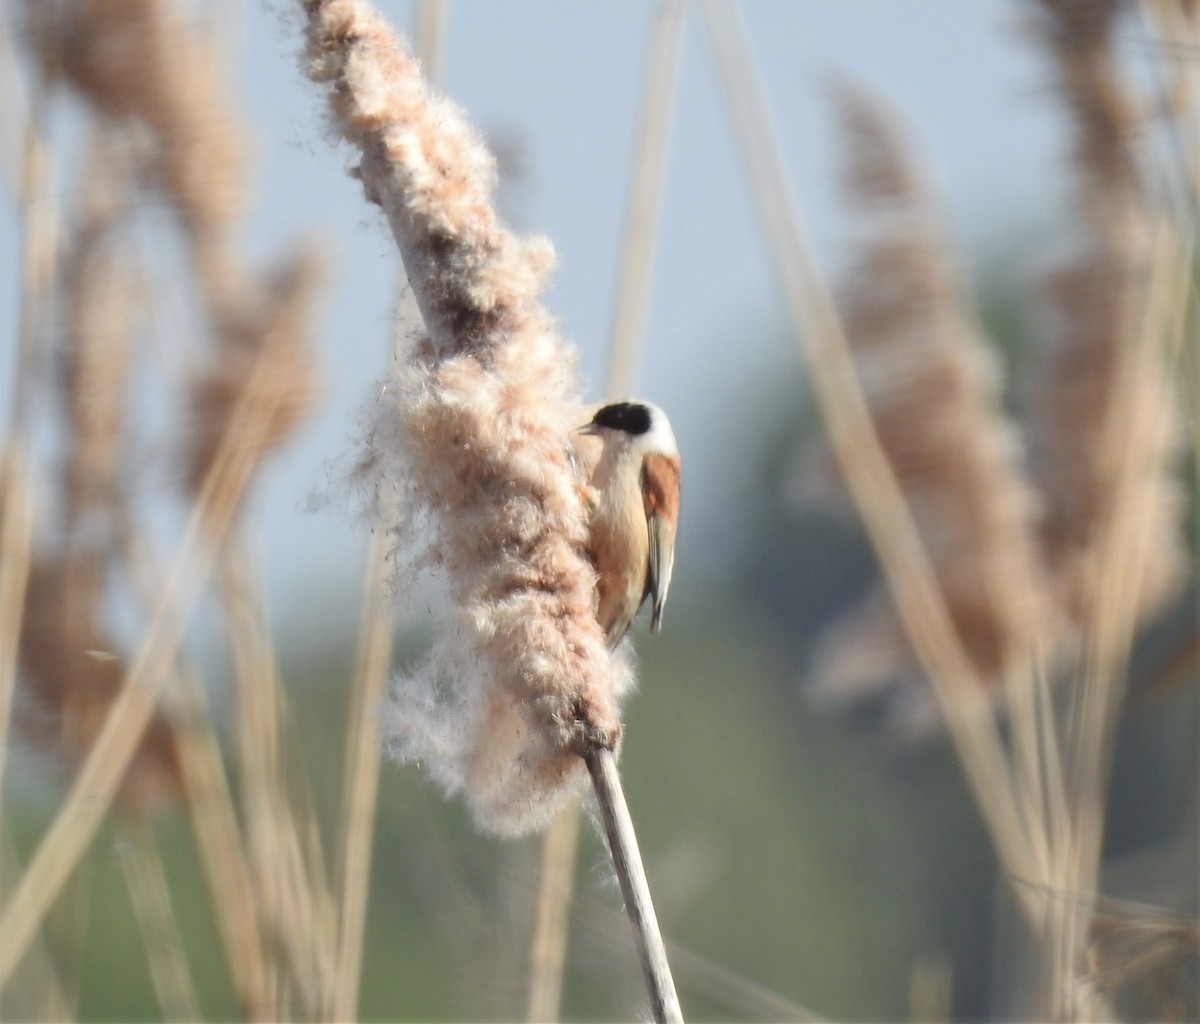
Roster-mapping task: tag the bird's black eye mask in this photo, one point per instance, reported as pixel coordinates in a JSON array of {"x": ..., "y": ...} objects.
[{"x": 631, "y": 417}]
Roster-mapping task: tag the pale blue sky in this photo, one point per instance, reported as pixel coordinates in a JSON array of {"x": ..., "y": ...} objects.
[{"x": 564, "y": 79}]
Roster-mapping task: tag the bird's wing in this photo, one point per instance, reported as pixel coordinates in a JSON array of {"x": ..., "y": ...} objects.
[{"x": 660, "y": 491}]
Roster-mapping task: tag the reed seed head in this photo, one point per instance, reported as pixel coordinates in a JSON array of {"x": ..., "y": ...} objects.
[{"x": 476, "y": 431}]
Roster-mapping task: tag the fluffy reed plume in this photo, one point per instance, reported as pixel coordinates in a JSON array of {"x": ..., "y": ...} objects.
[
  {"x": 141, "y": 62},
  {"x": 931, "y": 383},
  {"x": 1101, "y": 387},
  {"x": 72, "y": 675},
  {"x": 1143, "y": 958},
  {"x": 99, "y": 299},
  {"x": 477, "y": 433},
  {"x": 271, "y": 326}
]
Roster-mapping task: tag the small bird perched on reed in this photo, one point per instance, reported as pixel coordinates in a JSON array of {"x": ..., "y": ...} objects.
[{"x": 632, "y": 542}]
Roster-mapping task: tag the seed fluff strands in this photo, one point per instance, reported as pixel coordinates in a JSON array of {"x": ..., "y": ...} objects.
[{"x": 476, "y": 431}]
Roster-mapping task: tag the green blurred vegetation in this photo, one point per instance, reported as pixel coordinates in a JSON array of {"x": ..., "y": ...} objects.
[
  {"x": 792, "y": 849},
  {"x": 796, "y": 849}
]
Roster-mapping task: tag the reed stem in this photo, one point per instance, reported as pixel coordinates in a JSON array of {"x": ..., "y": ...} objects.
[{"x": 627, "y": 862}]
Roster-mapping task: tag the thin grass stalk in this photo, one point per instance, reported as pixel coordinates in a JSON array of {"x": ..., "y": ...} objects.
[
  {"x": 83, "y": 810},
  {"x": 40, "y": 994},
  {"x": 362, "y": 751},
  {"x": 743, "y": 997},
  {"x": 16, "y": 549},
  {"x": 37, "y": 261},
  {"x": 552, "y": 915},
  {"x": 65, "y": 930},
  {"x": 1176, "y": 41},
  {"x": 429, "y": 37},
  {"x": 309, "y": 937},
  {"x": 218, "y": 839},
  {"x": 284, "y": 831},
  {"x": 959, "y": 691},
  {"x": 210, "y": 806},
  {"x": 256, "y": 742},
  {"x": 13, "y": 114},
  {"x": 39, "y": 234},
  {"x": 930, "y": 990},
  {"x": 627, "y": 862},
  {"x": 1124, "y": 549},
  {"x": 643, "y": 214},
  {"x": 145, "y": 879},
  {"x": 1033, "y": 796},
  {"x": 16, "y": 536},
  {"x": 266, "y": 809},
  {"x": 644, "y": 203},
  {"x": 360, "y": 775}
]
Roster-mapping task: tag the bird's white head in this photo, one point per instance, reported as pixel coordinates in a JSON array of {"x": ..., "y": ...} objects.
[{"x": 642, "y": 426}]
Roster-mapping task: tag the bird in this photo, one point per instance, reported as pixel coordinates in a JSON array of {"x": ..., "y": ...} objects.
[{"x": 636, "y": 478}]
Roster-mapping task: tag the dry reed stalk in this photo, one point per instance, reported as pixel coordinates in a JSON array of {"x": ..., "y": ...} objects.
[
  {"x": 552, "y": 916},
  {"x": 1175, "y": 29},
  {"x": 622, "y": 843},
  {"x": 361, "y": 758},
  {"x": 645, "y": 198},
  {"x": 99, "y": 777},
  {"x": 360, "y": 779},
  {"x": 38, "y": 992},
  {"x": 13, "y": 114},
  {"x": 219, "y": 843},
  {"x": 429, "y": 37},
  {"x": 483, "y": 411},
  {"x": 16, "y": 554},
  {"x": 142, "y": 868},
  {"x": 39, "y": 241},
  {"x": 930, "y": 990},
  {"x": 928, "y": 375},
  {"x": 742, "y": 997},
  {"x": 209, "y": 804},
  {"x": 1127, "y": 544},
  {"x": 153, "y": 78},
  {"x": 548, "y": 944},
  {"x": 868, "y": 473},
  {"x": 289, "y": 873},
  {"x": 65, "y": 931}
]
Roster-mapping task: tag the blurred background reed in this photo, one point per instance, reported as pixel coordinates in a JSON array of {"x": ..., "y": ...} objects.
[{"x": 919, "y": 738}]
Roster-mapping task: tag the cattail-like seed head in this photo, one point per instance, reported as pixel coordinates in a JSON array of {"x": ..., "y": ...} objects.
[
  {"x": 477, "y": 430},
  {"x": 932, "y": 385}
]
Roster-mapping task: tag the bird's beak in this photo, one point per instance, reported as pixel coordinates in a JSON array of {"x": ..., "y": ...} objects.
[{"x": 588, "y": 428}]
